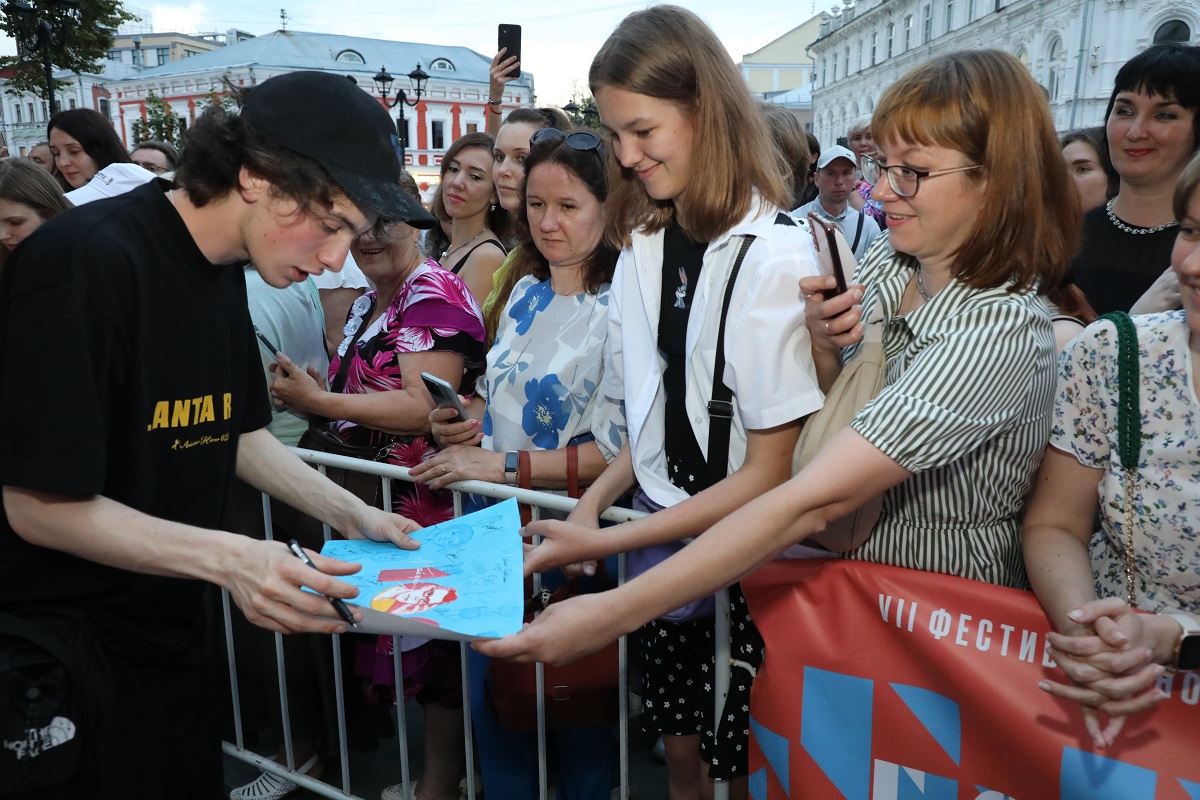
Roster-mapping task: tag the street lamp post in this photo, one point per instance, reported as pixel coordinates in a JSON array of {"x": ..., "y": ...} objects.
[
  {"x": 44, "y": 34},
  {"x": 383, "y": 82}
]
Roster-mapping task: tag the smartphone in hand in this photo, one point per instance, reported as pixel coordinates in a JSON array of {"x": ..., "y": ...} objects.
[
  {"x": 444, "y": 395},
  {"x": 508, "y": 38},
  {"x": 834, "y": 256}
]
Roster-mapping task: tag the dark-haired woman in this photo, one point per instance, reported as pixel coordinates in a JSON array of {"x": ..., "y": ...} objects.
[
  {"x": 83, "y": 143},
  {"x": 541, "y": 394},
  {"x": 477, "y": 220},
  {"x": 1151, "y": 130},
  {"x": 1086, "y": 156}
]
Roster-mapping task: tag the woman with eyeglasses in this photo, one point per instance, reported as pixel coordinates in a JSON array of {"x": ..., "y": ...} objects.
[
  {"x": 968, "y": 171},
  {"x": 538, "y": 401},
  {"x": 691, "y": 189}
]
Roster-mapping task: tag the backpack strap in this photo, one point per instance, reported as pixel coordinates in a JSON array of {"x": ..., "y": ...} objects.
[
  {"x": 720, "y": 407},
  {"x": 857, "y": 233}
]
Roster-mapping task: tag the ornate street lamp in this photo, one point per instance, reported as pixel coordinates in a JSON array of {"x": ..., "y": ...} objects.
[
  {"x": 383, "y": 83},
  {"x": 38, "y": 33}
]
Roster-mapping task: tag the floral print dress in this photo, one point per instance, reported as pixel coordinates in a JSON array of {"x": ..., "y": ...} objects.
[
  {"x": 433, "y": 311},
  {"x": 542, "y": 383},
  {"x": 1167, "y": 503}
]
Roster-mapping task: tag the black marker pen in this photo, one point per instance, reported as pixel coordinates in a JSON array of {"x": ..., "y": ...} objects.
[{"x": 338, "y": 605}]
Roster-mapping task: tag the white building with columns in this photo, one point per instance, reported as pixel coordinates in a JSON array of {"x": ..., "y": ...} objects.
[{"x": 1072, "y": 47}]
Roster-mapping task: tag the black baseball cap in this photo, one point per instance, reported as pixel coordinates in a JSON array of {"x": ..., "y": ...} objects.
[{"x": 342, "y": 128}]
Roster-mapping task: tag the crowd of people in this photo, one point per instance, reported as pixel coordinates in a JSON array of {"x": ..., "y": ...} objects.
[{"x": 631, "y": 314}]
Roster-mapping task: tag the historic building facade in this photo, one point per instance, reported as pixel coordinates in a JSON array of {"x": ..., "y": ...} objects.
[
  {"x": 1072, "y": 47},
  {"x": 454, "y": 103}
]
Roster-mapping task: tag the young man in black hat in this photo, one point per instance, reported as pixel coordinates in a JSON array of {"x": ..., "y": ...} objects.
[{"x": 133, "y": 393}]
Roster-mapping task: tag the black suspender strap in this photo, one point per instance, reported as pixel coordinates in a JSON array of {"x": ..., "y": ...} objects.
[
  {"x": 720, "y": 407},
  {"x": 857, "y": 234}
]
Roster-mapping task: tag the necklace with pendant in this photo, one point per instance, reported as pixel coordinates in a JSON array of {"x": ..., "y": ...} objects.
[
  {"x": 453, "y": 250},
  {"x": 1125, "y": 228},
  {"x": 921, "y": 285}
]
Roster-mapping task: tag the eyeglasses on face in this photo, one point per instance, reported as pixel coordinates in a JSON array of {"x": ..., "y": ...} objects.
[
  {"x": 576, "y": 140},
  {"x": 905, "y": 181},
  {"x": 150, "y": 165}
]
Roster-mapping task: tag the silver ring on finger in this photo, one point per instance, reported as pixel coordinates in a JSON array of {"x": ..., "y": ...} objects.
[
  {"x": 445, "y": 470},
  {"x": 826, "y": 327}
]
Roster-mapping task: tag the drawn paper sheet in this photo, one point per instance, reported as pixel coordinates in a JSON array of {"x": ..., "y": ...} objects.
[{"x": 464, "y": 582}]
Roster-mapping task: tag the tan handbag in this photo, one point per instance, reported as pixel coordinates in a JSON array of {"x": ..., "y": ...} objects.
[{"x": 861, "y": 380}]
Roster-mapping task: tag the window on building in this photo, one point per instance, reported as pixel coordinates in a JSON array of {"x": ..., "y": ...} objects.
[
  {"x": 17, "y": 112},
  {"x": 182, "y": 123},
  {"x": 846, "y": 62},
  {"x": 908, "y": 30},
  {"x": 70, "y": 102},
  {"x": 437, "y": 135},
  {"x": 102, "y": 107},
  {"x": 860, "y": 56},
  {"x": 442, "y": 64},
  {"x": 874, "y": 48},
  {"x": 824, "y": 69},
  {"x": 472, "y": 127},
  {"x": 926, "y": 24},
  {"x": 834, "y": 71},
  {"x": 164, "y": 55},
  {"x": 1023, "y": 57},
  {"x": 113, "y": 55},
  {"x": 45, "y": 110},
  {"x": 948, "y": 24},
  {"x": 350, "y": 57},
  {"x": 1054, "y": 76},
  {"x": 29, "y": 107},
  {"x": 1175, "y": 30},
  {"x": 891, "y": 39},
  {"x": 970, "y": 10}
]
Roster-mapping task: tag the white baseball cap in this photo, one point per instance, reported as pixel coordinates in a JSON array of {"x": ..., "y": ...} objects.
[
  {"x": 830, "y": 154},
  {"x": 111, "y": 181}
]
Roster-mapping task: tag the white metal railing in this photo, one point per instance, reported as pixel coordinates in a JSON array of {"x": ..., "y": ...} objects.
[{"x": 538, "y": 501}]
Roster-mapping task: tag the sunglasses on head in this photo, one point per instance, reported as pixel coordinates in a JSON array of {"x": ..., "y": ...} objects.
[{"x": 576, "y": 140}]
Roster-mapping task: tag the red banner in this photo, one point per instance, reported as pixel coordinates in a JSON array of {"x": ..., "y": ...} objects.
[{"x": 883, "y": 683}]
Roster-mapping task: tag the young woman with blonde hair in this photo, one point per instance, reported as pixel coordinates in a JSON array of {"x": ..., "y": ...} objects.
[{"x": 689, "y": 189}]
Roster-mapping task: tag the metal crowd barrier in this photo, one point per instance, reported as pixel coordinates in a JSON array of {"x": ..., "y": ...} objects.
[{"x": 538, "y": 501}]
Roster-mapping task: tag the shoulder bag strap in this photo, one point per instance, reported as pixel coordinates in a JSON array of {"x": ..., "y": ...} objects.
[
  {"x": 858, "y": 232},
  {"x": 339, "y": 380},
  {"x": 720, "y": 407},
  {"x": 1129, "y": 428}
]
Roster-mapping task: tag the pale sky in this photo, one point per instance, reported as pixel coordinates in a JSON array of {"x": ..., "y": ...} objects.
[{"x": 559, "y": 39}]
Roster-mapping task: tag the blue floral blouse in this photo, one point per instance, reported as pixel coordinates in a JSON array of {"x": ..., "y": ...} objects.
[{"x": 542, "y": 382}]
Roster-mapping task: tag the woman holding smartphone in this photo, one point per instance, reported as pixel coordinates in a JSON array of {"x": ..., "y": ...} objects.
[
  {"x": 690, "y": 188},
  {"x": 967, "y": 170}
]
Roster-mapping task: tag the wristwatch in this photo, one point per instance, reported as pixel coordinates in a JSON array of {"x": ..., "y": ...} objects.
[
  {"x": 512, "y": 461},
  {"x": 1187, "y": 646}
]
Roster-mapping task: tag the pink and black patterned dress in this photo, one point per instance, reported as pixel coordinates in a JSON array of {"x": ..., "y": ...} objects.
[{"x": 433, "y": 311}]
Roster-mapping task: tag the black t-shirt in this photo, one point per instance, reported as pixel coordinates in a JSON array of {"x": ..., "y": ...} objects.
[
  {"x": 1115, "y": 268},
  {"x": 130, "y": 369},
  {"x": 687, "y": 463}
]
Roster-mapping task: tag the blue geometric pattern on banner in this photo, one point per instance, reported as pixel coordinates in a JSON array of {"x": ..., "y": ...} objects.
[
  {"x": 936, "y": 787},
  {"x": 777, "y": 751},
  {"x": 938, "y": 713},
  {"x": 1193, "y": 789},
  {"x": 1087, "y": 776},
  {"x": 984, "y": 793},
  {"x": 757, "y": 785},
  {"x": 835, "y": 729}
]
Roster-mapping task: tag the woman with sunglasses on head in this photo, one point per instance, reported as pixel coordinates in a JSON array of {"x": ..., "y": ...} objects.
[
  {"x": 538, "y": 401},
  {"x": 690, "y": 189},
  {"x": 83, "y": 143},
  {"x": 966, "y": 171},
  {"x": 478, "y": 222},
  {"x": 508, "y": 173},
  {"x": 1151, "y": 130}
]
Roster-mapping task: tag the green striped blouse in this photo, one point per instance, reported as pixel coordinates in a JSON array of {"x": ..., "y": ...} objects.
[{"x": 967, "y": 409}]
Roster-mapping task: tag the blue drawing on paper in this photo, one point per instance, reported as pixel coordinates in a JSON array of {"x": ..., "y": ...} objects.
[{"x": 463, "y": 582}]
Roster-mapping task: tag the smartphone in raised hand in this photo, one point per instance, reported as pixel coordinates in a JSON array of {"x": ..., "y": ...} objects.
[{"x": 508, "y": 38}]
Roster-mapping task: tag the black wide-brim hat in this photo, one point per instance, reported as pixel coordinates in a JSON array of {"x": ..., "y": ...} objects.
[{"x": 342, "y": 128}]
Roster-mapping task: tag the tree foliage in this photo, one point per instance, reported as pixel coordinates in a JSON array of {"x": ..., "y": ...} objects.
[
  {"x": 81, "y": 50},
  {"x": 160, "y": 123},
  {"x": 581, "y": 109}
]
